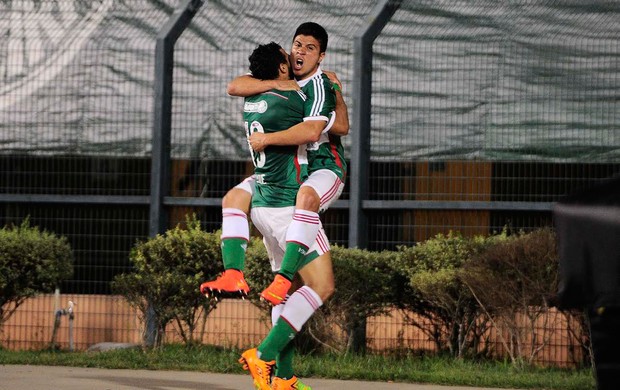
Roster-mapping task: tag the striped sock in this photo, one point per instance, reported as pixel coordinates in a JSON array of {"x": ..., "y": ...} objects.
[{"x": 300, "y": 235}]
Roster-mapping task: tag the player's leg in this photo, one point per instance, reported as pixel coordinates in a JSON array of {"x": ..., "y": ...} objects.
[
  {"x": 317, "y": 274},
  {"x": 284, "y": 375},
  {"x": 299, "y": 307},
  {"x": 277, "y": 344},
  {"x": 284, "y": 360},
  {"x": 318, "y": 192},
  {"x": 271, "y": 222},
  {"x": 320, "y": 275},
  {"x": 235, "y": 227},
  {"x": 235, "y": 237}
]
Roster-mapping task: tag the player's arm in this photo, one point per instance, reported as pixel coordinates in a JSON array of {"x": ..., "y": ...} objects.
[
  {"x": 302, "y": 133},
  {"x": 247, "y": 85},
  {"x": 341, "y": 124}
]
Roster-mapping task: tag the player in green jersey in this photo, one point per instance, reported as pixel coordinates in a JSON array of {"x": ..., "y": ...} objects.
[
  {"x": 327, "y": 167},
  {"x": 279, "y": 171},
  {"x": 322, "y": 187},
  {"x": 311, "y": 40}
]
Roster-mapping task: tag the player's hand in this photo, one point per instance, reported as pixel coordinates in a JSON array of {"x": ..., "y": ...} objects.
[
  {"x": 287, "y": 85},
  {"x": 258, "y": 141},
  {"x": 333, "y": 78}
]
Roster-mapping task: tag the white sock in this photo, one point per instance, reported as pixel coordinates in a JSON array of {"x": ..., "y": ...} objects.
[
  {"x": 276, "y": 311},
  {"x": 304, "y": 227},
  {"x": 235, "y": 224},
  {"x": 300, "y": 307}
]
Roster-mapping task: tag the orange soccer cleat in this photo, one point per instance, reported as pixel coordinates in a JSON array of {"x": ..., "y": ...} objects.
[
  {"x": 259, "y": 369},
  {"x": 276, "y": 291},
  {"x": 230, "y": 284},
  {"x": 288, "y": 384}
]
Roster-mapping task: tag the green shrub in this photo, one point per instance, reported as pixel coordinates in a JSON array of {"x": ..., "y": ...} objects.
[
  {"x": 168, "y": 270},
  {"x": 31, "y": 262},
  {"x": 363, "y": 289},
  {"x": 257, "y": 272},
  {"x": 512, "y": 280},
  {"x": 437, "y": 295}
]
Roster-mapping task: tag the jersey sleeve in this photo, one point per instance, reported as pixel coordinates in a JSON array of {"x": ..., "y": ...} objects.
[
  {"x": 321, "y": 99},
  {"x": 330, "y": 122}
]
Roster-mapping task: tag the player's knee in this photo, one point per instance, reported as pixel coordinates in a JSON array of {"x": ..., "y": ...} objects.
[
  {"x": 324, "y": 288},
  {"x": 237, "y": 199},
  {"x": 226, "y": 200},
  {"x": 307, "y": 199},
  {"x": 230, "y": 200},
  {"x": 326, "y": 292}
]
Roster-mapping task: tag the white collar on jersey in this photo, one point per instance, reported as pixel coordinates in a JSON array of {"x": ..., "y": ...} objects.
[{"x": 305, "y": 81}]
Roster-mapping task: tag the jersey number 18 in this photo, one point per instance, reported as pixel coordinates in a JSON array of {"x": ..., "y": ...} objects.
[{"x": 258, "y": 158}]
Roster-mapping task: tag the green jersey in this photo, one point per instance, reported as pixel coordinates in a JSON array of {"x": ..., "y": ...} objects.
[
  {"x": 279, "y": 170},
  {"x": 327, "y": 152}
]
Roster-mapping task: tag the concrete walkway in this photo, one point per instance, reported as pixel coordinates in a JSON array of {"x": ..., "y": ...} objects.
[{"x": 24, "y": 377}]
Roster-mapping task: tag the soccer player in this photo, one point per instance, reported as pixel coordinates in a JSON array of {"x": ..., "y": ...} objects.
[
  {"x": 327, "y": 167},
  {"x": 279, "y": 171}
]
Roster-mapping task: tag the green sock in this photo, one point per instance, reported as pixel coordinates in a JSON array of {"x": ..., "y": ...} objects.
[
  {"x": 293, "y": 257},
  {"x": 233, "y": 253},
  {"x": 277, "y": 338},
  {"x": 284, "y": 362}
]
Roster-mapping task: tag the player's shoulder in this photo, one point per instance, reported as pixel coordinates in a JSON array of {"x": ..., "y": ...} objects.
[
  {"x": 294, "y": 95},
  {"x": 322, "y": 80},
  {"x": 318, "y": 80},
  {"x": 325, "y": 78},
  {"x": 284, "y": 95},
  {"x": 293, "y": 100}
]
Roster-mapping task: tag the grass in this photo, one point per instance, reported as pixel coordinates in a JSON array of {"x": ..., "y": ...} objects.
[{"x": 437, "y": 370}]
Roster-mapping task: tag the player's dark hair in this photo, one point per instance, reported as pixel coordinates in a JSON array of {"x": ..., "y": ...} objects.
[
  {"x": 314, "y": 30},
  {"x": 265, "y": 61}
]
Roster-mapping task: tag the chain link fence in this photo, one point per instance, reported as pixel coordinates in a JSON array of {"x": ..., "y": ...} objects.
[{"x": 483, "y": 112}]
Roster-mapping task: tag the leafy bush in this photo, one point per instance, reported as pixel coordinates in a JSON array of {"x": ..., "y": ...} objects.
[
  {"x": 257, "y": 272},
  {"x": 437, "y": 295},
  {"x": 168, "y": 270},
  {"x": 512, "y": 281},
  {"x": 363, "y": 289},
  {"x": 31, "y": 262}
]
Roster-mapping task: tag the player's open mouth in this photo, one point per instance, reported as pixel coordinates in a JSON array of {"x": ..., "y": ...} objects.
[{"x": 297, "y": 65}]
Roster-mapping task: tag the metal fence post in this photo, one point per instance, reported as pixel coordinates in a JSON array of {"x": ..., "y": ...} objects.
[
  {"x": 162, "y": 124},
  {"x": 360, "y": 145}
]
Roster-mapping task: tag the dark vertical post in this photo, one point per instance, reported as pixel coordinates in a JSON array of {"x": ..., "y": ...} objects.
[
  {"x": 360, "y": 146},
  {"x": 162, "y": 110},
  {"x": 162, "y": 124}
]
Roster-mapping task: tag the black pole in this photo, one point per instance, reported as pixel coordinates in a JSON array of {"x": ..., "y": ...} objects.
[
  {"x": 162, "y": 111},
  {"x": 162, "y": 125},
  {"x": 360, "y": 145},
  {"x": 360, "y": 152}
]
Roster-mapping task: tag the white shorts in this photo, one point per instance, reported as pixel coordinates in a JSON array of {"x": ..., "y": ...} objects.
[
  {"x": 327, "y": 184},
  {"x": 247, "y": 184},
  {"x": 273, "y": 222}
]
